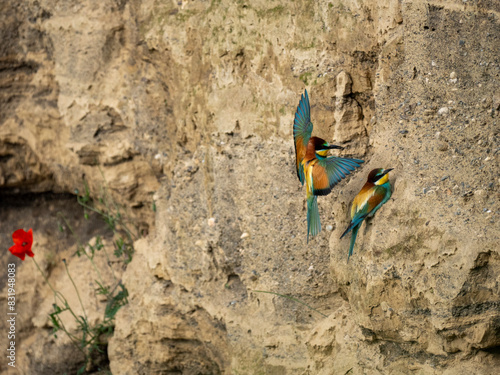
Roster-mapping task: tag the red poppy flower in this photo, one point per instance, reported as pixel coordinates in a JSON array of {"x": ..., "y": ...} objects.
[{"x": 22, "y": 243}]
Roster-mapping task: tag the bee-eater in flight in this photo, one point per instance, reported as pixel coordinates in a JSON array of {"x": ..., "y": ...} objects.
[
  {"x": 320, "y": 172},
  {"x": 372, "y": 196}
]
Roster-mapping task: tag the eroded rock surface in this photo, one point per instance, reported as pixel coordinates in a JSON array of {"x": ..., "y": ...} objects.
[{"x": 193, "y": 101}]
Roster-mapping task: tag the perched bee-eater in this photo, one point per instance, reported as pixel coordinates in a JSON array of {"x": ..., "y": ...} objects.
[
  {"x": 320, "y": 172},
  {"x": 372, "y": 196}
]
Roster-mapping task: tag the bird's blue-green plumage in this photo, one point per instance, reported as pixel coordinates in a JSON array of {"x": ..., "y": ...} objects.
[
  {"x": 336, "y": 169},
  {"x": 313, "y": 221},
  {"x": 385, "y": 190},
  {"x": 355, "y": 222},
  {"x": 353, "y": 240},
  {"x": 321, "y": 172},
  {"x": 365, "y": 211}
]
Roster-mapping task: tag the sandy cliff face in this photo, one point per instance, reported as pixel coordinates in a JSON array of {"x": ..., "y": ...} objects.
[{"x": 193, "y": 101}]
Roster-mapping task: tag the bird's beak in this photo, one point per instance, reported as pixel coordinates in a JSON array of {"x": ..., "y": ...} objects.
[
  {"x": 334, "y": 146},
  {"x": 387, "y": 171}
]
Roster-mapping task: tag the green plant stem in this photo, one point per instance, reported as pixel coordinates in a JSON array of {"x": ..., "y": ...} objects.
[
  {"x": 63, "y": 300},
  {"x": 109, "y": 263},
  {"x": 56, "y": 293},
  {"x": 59, "y": 214},
  {"x": 72, "y": 337},
  {"x": 291, "y": 298},
  {"x": 79, "y": 244},
  {"x": 74, "y": 340},
  {"x": 127, "y": 231},
  {"x": 76, "y": 289},
  {"x": 95, "y": 268}
]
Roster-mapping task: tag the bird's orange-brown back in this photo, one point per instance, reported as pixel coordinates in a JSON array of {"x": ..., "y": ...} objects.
[{"x": 362, "y": 197}]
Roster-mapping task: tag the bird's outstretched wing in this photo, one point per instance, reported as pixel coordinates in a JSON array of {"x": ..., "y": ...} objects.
[
  {"x": 302, "y": 129},
  {"x": 330, "y": 171}
]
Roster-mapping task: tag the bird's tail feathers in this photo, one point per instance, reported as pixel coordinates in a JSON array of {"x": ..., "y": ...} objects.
[
  {"x": 313, "y": 222},
  {"x": 353, "y": 239},
  {"x": 353, "y": 224}
]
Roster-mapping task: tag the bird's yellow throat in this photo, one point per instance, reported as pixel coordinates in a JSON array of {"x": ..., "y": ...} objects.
[{"x": 383, "y": 180}]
